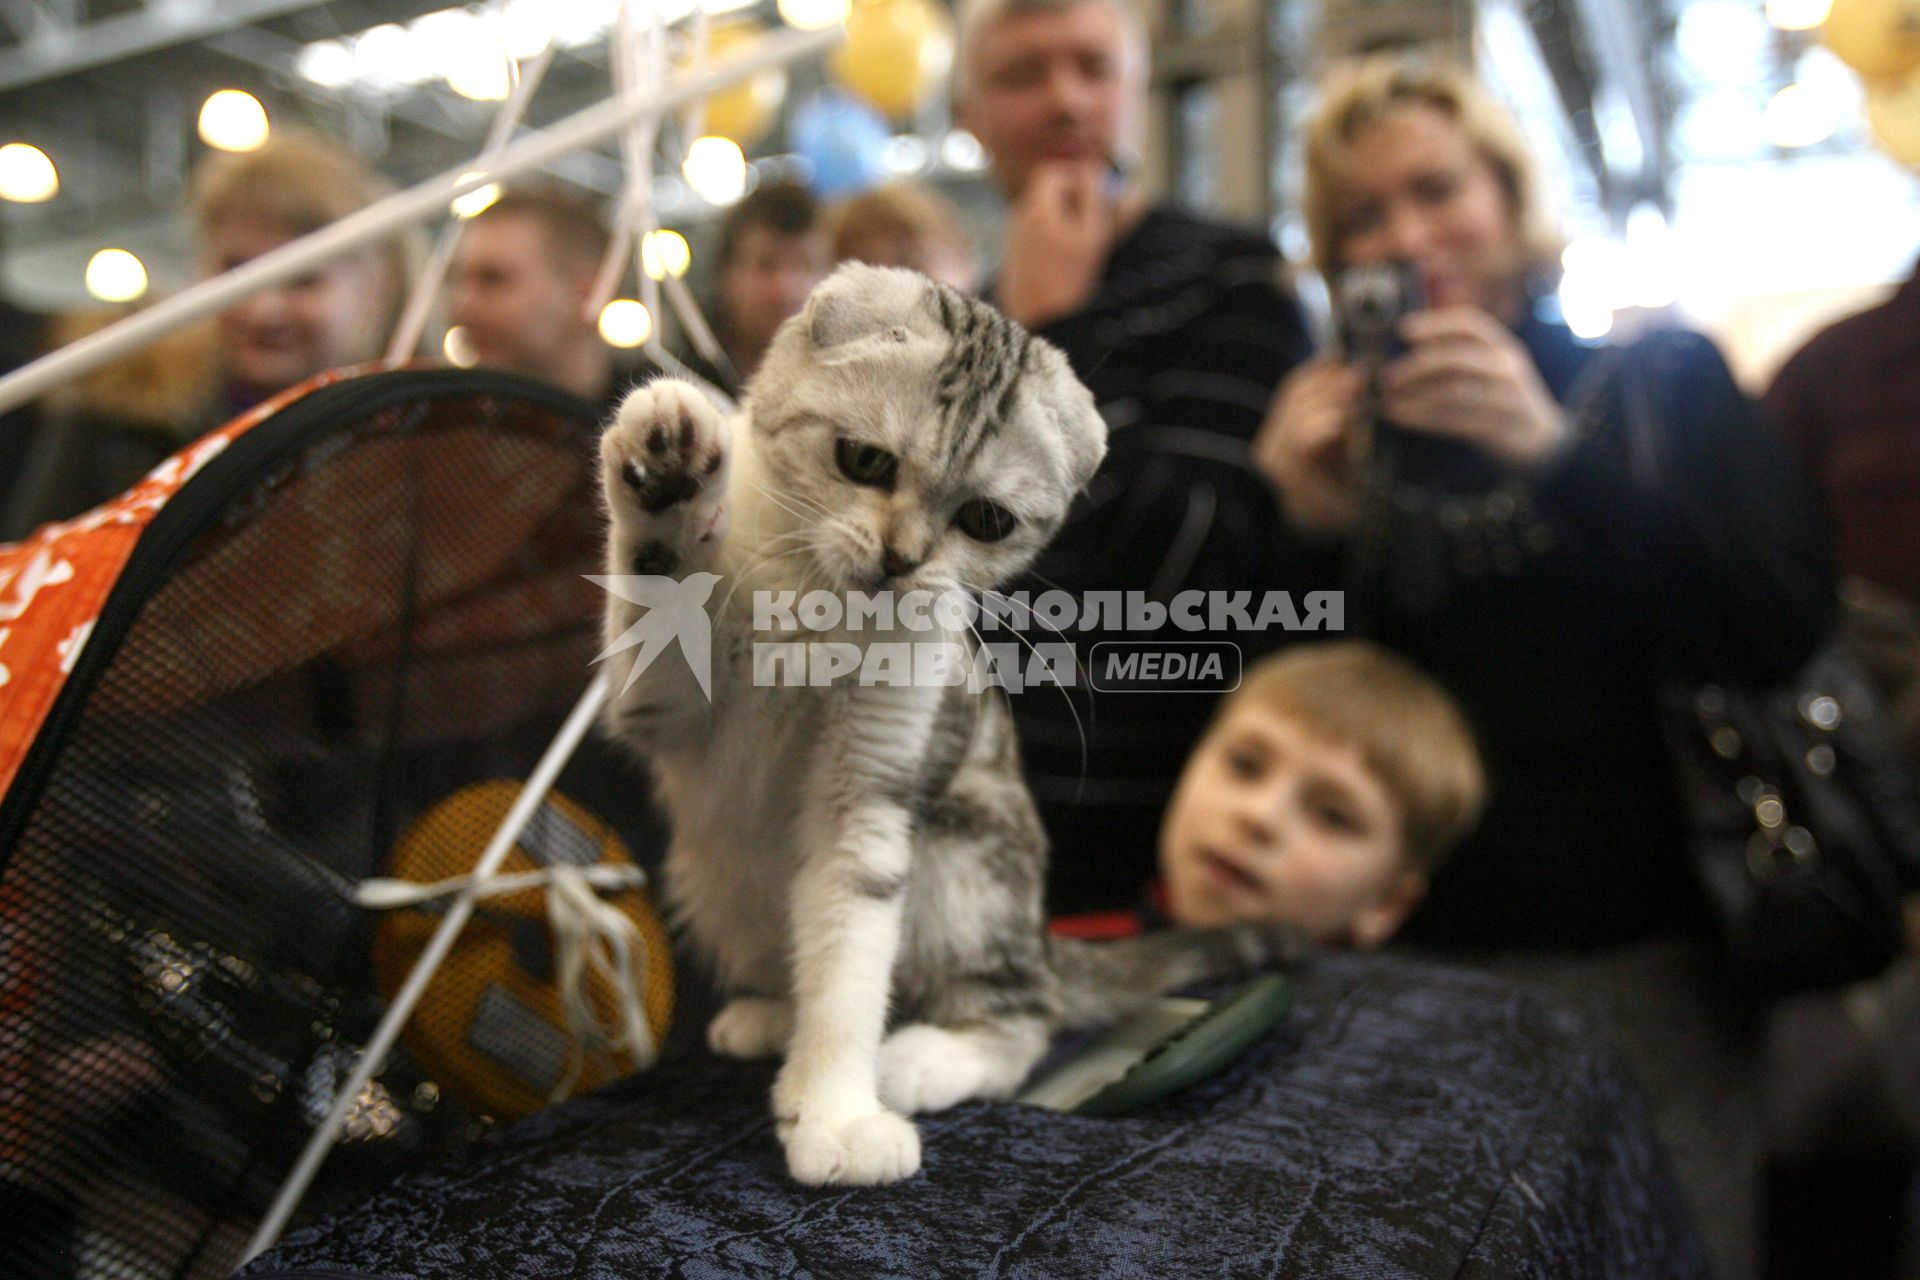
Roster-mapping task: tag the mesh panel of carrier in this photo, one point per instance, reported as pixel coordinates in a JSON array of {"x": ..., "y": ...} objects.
[{"x": 368, "y": 603}]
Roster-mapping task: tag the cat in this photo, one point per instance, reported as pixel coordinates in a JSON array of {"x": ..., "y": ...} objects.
[{"x": 862, "y": 866}]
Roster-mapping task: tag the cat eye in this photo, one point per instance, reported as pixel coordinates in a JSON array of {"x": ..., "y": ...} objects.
[
  {"x": 985, "y": 521},
  {"x": 865, "y": 463}
]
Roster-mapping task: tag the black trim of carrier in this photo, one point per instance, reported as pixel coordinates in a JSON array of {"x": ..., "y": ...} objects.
[{"x": 208, "y": 493}]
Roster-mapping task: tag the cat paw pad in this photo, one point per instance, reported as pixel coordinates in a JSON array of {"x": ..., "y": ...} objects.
[{"x": 667, "y": 443}]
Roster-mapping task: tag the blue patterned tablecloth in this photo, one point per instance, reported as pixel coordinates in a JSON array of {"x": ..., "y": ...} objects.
[{"x": 1404, "y": 1120}]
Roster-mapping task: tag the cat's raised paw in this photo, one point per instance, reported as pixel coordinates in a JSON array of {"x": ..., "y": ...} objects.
[
  {"x": 751, "y": 1027},
  {"x": 666, "y": 446},
  {"x": 866, "y": 1151}
]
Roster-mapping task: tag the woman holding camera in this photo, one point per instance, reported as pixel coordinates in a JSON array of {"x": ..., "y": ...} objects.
[{"x": 1480, "y": 493}]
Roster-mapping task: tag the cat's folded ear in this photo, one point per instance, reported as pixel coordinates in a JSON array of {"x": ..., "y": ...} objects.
[
  {"x": 1082, "y": 430},
  {"x": 858, "y": 301}
]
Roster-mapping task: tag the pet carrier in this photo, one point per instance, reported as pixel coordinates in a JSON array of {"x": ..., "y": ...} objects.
[{"x": 226, "y": 699}]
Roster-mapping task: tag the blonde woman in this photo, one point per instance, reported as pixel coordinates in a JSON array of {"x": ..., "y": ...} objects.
[
  {"x": 905, "y": 224},
  {"x": 103, "y": 432},
  {"x": 1528, "y": 557},
  {"x": 248, "y": 204}
]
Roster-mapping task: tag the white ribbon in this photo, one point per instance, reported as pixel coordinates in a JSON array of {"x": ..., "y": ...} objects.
[{"x": 590, "y": 935}]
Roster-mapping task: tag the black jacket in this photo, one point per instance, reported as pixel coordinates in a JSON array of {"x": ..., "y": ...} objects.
[
  {"x": 1190, "y": 330},
  {"x": 1709, "y": 566}
]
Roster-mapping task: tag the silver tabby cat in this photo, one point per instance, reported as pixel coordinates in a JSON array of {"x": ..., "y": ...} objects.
[{"x": 862, "y": 865}]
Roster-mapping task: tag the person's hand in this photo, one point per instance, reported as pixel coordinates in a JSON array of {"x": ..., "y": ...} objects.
[
  {"x": 1468, "y": 377},
  {"x": 1056, "y": 243},
  {"x": 1303, "y": 446}
]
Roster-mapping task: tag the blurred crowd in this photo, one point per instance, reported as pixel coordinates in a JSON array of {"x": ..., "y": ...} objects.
[{"x": 1553, "y": 532}]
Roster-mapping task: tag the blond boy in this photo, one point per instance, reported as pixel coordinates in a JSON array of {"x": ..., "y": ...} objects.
[{"x": 1325, "y": 792}]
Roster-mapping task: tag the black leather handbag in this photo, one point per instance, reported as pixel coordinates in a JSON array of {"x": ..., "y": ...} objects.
[
  {"x": 1802, "y": 809},
  {"x": 1803, "y": 821}
]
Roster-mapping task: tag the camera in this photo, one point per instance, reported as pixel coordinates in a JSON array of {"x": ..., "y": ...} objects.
[{"x": 1369, "y": 303}]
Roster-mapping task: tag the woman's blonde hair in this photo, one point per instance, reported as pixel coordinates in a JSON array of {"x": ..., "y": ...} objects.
[
  {"x": 1365, "y": 90},
  {"x": 902, "y": 209},
  {"x": 300, "y": 181}
]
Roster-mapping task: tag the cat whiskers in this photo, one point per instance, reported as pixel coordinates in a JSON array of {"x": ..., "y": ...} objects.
[
  {"x": 782, "y": 497},
  {"x": 769, "y": 554},
  {"x": 1078, "y": 669},
  {"x": 1041, "y": 578}
]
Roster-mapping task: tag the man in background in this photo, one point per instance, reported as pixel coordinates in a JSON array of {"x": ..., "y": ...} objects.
[
  {"x": 1182, "y": 326},
  {"x": 772, "y": 249},
  {"x": 522, "y": 281}
]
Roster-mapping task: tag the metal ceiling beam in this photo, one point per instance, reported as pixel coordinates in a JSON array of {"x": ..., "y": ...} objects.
[
  {"x": 55, "y": 51},
  {"x": 265, "y": 51},
  {"x": 30, "y": 19},
  {"x": 1625, "y": 51},
  {"x": 1589, "y": 45}
]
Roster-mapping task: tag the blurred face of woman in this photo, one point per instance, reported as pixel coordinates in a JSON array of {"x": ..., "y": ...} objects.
[
  {"x": 326, "y": 318},
  {"x": 1416, "y": 189}
]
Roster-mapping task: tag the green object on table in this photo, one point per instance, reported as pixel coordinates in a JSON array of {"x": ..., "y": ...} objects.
[{"x": 1170, "y": 1045}]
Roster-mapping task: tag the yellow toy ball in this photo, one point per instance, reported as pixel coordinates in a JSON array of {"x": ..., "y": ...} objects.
[
  {"x": 491, "y": 1028},
  {"x": 896, "y": 53},
  {"x": 1893, "y": 109},
  {"x": 744, "y": 110},
  {"x": 1877, "y": 38}
]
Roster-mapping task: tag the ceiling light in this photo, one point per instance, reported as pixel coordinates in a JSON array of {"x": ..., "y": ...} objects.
[
  {"x": 233, "y": 120},
  {"x": 114, "y": 275},
  {"x": 477, "y": 201},
  {"x": 27, "y": 176},
  {"x": 812, "y": 15},
  {"x": 327, "y": 63},
  {"x": 625, "y": 323},
  {"x": 665, "y": 253},
  {"x": 716, "y": 169}
]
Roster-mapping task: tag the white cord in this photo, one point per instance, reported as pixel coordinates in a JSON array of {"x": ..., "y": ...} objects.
[
  {"x": 381, "y": 894},
  {"x": 381, "y": 219},
  {"x": 413, "y": 320},
  {"x": 589, "y": 932},
  {"x": 401, "y": 1006}
]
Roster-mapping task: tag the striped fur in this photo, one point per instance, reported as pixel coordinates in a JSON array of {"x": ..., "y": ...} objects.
[{"x": 975, "y": 384}]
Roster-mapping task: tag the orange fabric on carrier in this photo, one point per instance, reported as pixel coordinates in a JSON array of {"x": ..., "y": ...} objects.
[{"x": 54, "y": 582}]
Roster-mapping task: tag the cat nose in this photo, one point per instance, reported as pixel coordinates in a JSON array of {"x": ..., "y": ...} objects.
[{"x": 896, "y": 565}]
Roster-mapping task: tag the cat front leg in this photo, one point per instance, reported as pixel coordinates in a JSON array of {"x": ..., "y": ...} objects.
[
  {"x": 847, "y": 902},
  {"x": 664, "y": 464}
]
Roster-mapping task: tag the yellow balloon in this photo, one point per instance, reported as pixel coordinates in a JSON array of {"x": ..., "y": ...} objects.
[
  {"x": 896, "y": 52},
  {"x": 1893, "y": 109},
  {"x": 743, "y": 111},
  {"x": 1875, "y": 37}
]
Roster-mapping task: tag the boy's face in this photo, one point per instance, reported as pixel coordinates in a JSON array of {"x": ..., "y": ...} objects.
[{"x": 1270, "y": 822}]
